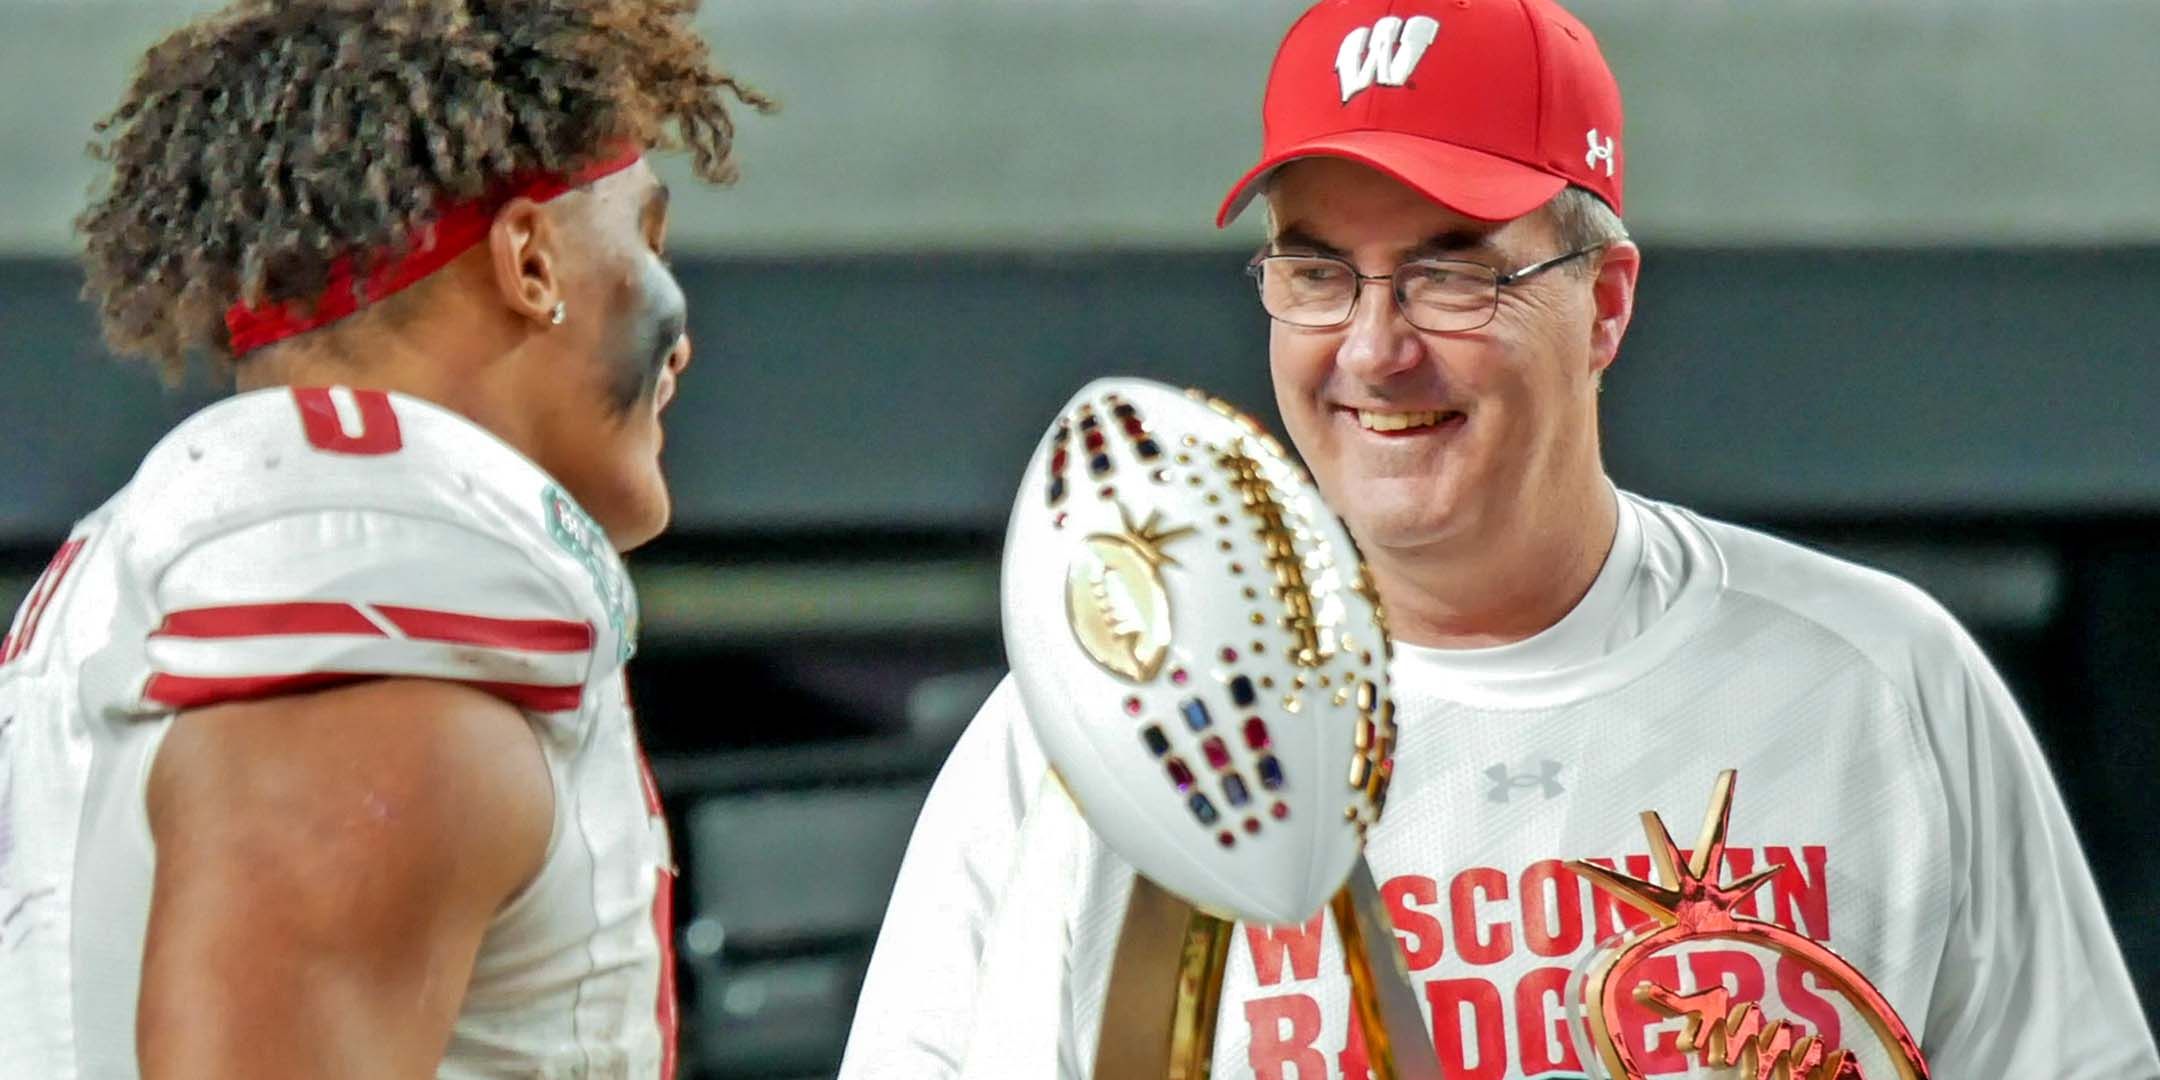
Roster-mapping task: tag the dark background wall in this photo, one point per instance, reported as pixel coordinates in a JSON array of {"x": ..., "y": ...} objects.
[
  {"x": 882, "y": 391},
  {"x": 845, "y": 448}
]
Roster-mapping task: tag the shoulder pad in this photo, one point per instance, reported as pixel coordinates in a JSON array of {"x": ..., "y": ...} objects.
[{"x": 320, "y": 534}]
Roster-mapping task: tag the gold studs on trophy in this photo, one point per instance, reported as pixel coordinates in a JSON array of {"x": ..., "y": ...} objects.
[
  {"x": 1279, "y": 542},
  {"x": 1372, "y": 765}
]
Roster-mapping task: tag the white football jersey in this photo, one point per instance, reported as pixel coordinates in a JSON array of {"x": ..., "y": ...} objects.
[
  {"x": 1880, "y": 759},
  {"x": 289, "y": 539}
]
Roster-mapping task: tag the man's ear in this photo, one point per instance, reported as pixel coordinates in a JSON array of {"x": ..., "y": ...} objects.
[
  {"x": 523, "y": 245},
  {"x": 1613, "y": 294}
]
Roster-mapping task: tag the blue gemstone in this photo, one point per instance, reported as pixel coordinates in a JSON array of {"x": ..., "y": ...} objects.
[
  {"x": 1057, "y": 488},
  {"x": 1233, "y": 788},
  {"x": 1241, "y": 691},
  {"x": 1099, "y": 464},
  {"x": 1196, "y": 714},
  {"x": 1203, "y": 809},
  {"x": 1271, "y": 773},
  {"x": 1157, "y": 743},
  {"x": 1148, "y": 449}
]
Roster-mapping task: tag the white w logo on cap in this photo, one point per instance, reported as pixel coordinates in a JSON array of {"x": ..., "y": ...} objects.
[{"x": 1386, "y": 53}]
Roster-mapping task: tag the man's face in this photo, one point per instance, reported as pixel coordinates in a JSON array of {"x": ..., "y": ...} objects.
[
  {"x": 621, "y": 349},
  {"x": 1497, "y": 417}
]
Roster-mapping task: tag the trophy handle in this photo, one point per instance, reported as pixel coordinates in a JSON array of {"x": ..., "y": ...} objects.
[
  {"x": 1397, "y": 1044},
  {"x": 1165, "y": 989}
]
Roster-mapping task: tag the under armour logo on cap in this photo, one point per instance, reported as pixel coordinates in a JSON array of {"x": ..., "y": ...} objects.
[
  {"x": 1601, "y": 152},
  {"x": 1505, "y": 782},
  {"x": 1385, "y": 53}
]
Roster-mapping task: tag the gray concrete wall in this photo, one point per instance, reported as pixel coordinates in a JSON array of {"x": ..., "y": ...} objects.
[{"x": 955, "y": 124}]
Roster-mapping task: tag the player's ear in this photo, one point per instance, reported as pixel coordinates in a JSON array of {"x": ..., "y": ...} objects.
[
  {"x": 1613, "y": 292},
  {"x": 524, "y": 246}
]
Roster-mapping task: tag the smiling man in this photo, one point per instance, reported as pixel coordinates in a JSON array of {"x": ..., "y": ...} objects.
[
  {"x": 321, "y": 762},
  {"x": 1449, "y": 282}
]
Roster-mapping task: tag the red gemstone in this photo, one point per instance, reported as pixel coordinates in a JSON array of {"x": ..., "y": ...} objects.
[
  {"x": 1218, "y": 755},
  {"x": 1225, "y": 839},
  {"x": 1182, "y": 776},
  {"x": 1256, "y": 733},
  {"x": 1132, "y": 705},
  {"x": 1280, "y": 810},
  {"x": 1252, "y": 825},
  {"x": 1058, "y": 460},
  {"x": 1178, "y": 676},
  {"x": 1094, "y": 441},
  {"x": 1229, "y": 655}
]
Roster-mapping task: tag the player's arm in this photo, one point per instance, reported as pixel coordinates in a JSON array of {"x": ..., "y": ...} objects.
[
  {"x": 326, "y": 866},
  {"x": 2032, "y": 982},
  {"x": 918, "y": 999}
]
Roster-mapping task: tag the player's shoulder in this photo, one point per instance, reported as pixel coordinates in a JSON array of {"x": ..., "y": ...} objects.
[
  {"x": 288, "y": 500},
  {"x": 276, "y": 452},
  {"x": 1894, "y": 623}
]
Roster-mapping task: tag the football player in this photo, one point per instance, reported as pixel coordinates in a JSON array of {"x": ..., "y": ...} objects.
[{"x": 315, "y": 745}]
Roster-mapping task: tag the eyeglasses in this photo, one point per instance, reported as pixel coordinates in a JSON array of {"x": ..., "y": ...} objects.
[{"x": 1440, "y": 296}]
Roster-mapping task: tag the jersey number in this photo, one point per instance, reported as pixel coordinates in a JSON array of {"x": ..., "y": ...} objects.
[
  {"x": 40, "y": 598},
  {"x": 348, "y": 421}
]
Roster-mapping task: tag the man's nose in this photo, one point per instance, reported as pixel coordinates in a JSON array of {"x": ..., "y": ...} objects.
[{"x": 1379, "y": 342}]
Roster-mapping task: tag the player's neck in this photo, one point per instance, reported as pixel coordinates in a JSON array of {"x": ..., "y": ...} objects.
[
  {"x": 439, "y": 360},
  {"x": 1495, "y": 590}
]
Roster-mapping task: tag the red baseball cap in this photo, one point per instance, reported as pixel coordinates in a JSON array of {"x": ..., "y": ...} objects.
[{"x": 1488, "y": 107}]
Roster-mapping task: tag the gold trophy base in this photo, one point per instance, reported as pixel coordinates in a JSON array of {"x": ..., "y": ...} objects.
[{"x": 1166, "y": 987}]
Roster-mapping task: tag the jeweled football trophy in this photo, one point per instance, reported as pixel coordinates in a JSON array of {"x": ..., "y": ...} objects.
[{"x": 1204, "y": 663}]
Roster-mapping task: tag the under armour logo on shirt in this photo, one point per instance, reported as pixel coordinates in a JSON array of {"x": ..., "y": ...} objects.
[
  {"x": 1505, "y": 782},
  {"x": 1385, "y": 53},
  {"x": 1601, "y": 151}
]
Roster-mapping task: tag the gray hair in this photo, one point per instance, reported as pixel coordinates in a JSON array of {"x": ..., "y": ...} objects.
[{"x": 1583, "y": 220}]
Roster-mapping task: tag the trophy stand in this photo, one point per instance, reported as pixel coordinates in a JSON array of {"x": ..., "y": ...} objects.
[{"x": 1166, "y": 987}]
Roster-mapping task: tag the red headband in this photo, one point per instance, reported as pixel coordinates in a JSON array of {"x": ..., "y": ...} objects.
[{"x": 458, "y": 227}]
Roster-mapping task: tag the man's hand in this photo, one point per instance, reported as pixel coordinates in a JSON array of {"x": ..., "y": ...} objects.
[{"x": 326, "y": 866}]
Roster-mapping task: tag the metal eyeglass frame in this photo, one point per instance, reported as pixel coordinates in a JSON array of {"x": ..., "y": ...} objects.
[{"x": 1256, "y": 267}]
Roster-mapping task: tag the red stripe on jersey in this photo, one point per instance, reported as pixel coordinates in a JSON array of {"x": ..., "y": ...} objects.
[
  {"x": 191, "y": 692},
  {"x": 268, "y": 620},
  {"x": 41, "y": 595},
  {"x": 535, "y": 698},
  {"x": 670, "y": 1021},
  {"x": 195, "y": 692},
  {"x": 534, "y": 635},
  {"x": 418, "y": 624}
]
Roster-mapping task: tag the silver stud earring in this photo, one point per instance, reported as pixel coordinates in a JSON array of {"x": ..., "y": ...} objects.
[{"x": 561, "y": 312}]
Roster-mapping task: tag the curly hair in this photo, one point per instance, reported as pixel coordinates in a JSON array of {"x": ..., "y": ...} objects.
[{"x": 257, "y": 145}]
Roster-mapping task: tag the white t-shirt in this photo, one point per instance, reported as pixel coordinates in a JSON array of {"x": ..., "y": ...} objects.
[
  {"x": 287, "y": 539},
  {"x": 1880, "y": 758}
]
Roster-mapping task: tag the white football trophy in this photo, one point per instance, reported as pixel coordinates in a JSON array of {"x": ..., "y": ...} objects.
[{"x": 1205, "y": 665}]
